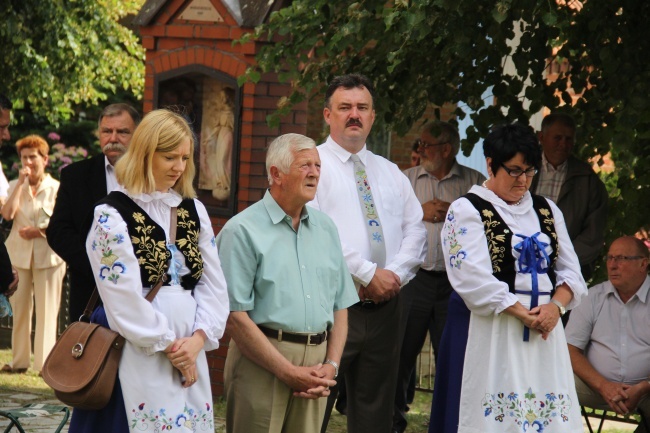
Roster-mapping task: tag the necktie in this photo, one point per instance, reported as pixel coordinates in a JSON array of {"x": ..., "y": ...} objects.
[{"x": 373, "y": 224}]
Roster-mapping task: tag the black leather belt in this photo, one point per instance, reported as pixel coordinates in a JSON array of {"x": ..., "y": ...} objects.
[
  {"x": 435, "y": 273},
  {"x": 369, "y": 305},
  {"x": 308, "y": 339}
]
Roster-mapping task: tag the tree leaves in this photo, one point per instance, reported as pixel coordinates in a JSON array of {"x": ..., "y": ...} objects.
[{"x": 60, "y": 53}]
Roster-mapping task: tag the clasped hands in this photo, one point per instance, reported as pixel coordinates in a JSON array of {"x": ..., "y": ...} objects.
[
  {"x": 182, "y": 353},
  {"x": 622, "y": 398},
  {"x": 384, "y": 285},
  {"x": 311, "y": 382},
  {"x": 542, "y": 318}
]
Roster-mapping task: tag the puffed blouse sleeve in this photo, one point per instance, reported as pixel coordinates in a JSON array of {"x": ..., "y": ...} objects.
[
  {"x": 468, "y": 263},
  {"x": 567, "y": 265},
  {"x": 117, "y": 274},
  {"x": 211, "y": 292}
]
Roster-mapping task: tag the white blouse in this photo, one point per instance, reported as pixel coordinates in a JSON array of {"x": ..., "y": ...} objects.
[
  {"x": 468, "y": 261},
  {"x": 127, "y": 311}
]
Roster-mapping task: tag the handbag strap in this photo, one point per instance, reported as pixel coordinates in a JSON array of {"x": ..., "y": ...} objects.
[{"x": 94, "y": 298}]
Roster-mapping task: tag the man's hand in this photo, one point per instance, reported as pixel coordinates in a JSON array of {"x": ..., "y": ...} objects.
[
  {"x": 435, "y": 210},
  {"x": 384, "y": 285},
  {"x": 616, "y": 396},
  {"x": 308, "y": 382},
  {"x": 636, "y": 393},
  {"x": 29, "y": 232},
  {"x": 323, "y": 371}
]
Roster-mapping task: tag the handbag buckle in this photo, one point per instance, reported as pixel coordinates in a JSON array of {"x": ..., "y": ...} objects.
[{"x": 77, "y": 350}]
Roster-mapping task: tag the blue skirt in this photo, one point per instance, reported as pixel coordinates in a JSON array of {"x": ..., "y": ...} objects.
[
  {"x": 110, "y": 419},
  {"x": 449, "y": 368}
]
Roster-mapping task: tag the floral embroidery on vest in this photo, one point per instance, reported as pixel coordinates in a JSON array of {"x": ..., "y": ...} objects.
[
  {"x": 530, "y": 412},
  {"x": 496, "y": 242},
  {"x": 548, "y": 223},
  {"x": 196, "y": 420},
  {"x": 189, "y": 244},
  {"x": 152, "y": 254}
]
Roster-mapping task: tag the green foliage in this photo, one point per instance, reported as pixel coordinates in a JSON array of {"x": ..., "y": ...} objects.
[
  {"x": 438, "y": 51},
  {"x": 60, "y": 53}
]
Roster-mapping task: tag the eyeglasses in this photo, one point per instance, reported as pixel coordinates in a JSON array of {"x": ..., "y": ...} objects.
[
  {"x": 425, "y": 145},
  {"x": 617, "y": 259},
  {"x": 516, "y": 172}
]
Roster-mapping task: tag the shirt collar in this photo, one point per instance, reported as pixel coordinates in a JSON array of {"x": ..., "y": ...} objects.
[
  {"x": 454, "y": 171},
  {"x": 642, "y": 293},
  {"x": 107, "y": 164},
  {"x": 342, "y": 154},
  {"x": 548, "y": 167},
  {"x": 171, "y": 198},
  {"x": 276, "y": 213}
]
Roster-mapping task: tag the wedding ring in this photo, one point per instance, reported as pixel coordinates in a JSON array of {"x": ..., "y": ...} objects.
[
  {"x": 192, "y": 379},
  {"x": 182, "y": 364}
]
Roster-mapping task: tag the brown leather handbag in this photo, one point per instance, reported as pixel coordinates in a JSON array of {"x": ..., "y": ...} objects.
[{"x": 82, "y": 366}]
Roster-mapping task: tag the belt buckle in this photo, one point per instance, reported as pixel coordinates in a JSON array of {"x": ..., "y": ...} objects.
[
  {"x": 367, "y": 303},
  {"x": 309, "y": 343}
]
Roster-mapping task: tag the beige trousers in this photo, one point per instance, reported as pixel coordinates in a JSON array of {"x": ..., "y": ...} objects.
[
  {"x": 42, "y": 287},
  {"x": 258, "y": 402}
]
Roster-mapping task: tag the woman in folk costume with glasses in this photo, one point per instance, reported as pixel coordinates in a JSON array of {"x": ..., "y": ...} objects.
[
  {"x": 504, "y": 364},
  {"x": 164, "y": 383}
]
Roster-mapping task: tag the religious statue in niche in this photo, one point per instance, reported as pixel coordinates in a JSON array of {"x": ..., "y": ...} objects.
[{"x": 217, "y": 135}]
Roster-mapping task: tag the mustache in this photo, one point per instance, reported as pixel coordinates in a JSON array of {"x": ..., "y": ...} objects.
[
  {"x": 354, "y": 122},
  {"x": 115, "y": 146}
]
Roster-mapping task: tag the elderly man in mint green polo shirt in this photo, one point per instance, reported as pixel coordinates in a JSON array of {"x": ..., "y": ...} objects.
[{"x": 289, "y": 290}]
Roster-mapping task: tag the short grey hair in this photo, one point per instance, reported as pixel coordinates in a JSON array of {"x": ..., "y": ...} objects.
[
  {"x": 444, "y": 132},
  {"x": 281, "y": 152},
  {"x": 117, "y": 109}
]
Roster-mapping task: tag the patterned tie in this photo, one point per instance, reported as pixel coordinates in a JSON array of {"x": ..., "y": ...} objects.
[{"x": 375, "y": 232}]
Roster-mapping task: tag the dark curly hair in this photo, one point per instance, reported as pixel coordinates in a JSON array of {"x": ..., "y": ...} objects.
[{"x": 505, "y": 141}]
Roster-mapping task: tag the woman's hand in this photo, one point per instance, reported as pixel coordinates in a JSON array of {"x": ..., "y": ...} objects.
[
  {"x": 29, "y": 232},
  {"x": 547, "y": 317},
  {"x": 23, "y": 174},
  {"x": 183, "y": 352}
]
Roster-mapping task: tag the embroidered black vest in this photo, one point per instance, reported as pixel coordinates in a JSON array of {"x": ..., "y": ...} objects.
[
  {"x": 149, "y": 240},
  {"x": 499, "y": 237}
]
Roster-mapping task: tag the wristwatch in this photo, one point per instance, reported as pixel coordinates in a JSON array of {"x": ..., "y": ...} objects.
[
  {"x": 560, "y": 306},
  {"x": 335, "y": 365}
]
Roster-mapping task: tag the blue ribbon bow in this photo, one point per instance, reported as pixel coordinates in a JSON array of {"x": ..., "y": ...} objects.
[{"x": 533, "y": 260}]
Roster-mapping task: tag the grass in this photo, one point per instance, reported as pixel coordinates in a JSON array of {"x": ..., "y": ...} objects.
[{"x": 29, "y": 382}]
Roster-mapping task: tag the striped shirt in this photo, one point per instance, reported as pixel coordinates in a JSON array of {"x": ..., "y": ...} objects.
[
  {"x": 551, "y": 179},
  {"x": 427, "y": 187}
]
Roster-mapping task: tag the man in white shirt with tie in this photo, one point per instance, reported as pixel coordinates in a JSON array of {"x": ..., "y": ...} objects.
[{"x": 379, "y": 220}]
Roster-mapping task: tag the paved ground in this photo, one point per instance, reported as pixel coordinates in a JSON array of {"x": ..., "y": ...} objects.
[{"x": 49, "y": 424}]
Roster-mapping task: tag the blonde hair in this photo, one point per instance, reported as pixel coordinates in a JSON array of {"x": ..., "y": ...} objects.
[{"x": 159, "y": 131}]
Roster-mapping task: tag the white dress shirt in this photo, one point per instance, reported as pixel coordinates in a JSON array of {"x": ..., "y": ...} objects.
[
  {"x": 399, "y": 211},
  {"x": 111, "y": 180},
  {"x": 4, "y": 184}
]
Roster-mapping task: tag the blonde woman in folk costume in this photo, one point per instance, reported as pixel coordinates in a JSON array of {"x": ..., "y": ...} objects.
[{"x": 164, "y": 383}]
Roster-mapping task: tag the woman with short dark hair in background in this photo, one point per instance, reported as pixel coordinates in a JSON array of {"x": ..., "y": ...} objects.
[
  {"x": 504, "y": 363},
  {"x": 40, "y": 271}
]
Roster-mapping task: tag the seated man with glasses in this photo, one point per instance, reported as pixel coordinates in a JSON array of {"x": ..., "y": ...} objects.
[{"x": 609, "y": 335}]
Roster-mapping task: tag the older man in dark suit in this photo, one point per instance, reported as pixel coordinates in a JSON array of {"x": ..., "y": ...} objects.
[{"x": 82, "y": 185}]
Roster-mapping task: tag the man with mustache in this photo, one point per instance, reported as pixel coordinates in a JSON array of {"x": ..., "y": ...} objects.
[
  {"x": 82, "y": 185},
  {"x": 379, "y": 220}
]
